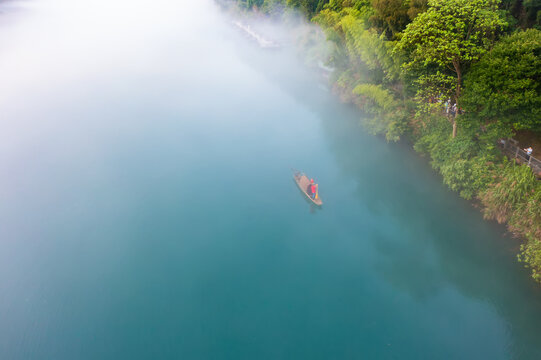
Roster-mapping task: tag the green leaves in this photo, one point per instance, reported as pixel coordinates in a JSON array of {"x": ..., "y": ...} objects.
[
  {"x": 530, "y": 253},
  {"x": 451, "y": 33},
  {"x": 468, "y": 177},
  {"x": 375, "y": 98},
  {"x": 505, "y": 85},
  {"x": 515, "y": 185},
  {"x": 516, "y": 197},
  {"x": 384, "y": 113}
]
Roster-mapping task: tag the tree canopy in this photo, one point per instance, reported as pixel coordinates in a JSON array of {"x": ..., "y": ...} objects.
[
  {"x": 505, "y": 86},
  {"x": 452, "y": 34}
]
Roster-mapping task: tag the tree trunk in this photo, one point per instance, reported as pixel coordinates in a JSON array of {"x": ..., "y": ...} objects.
[{"x": 457, "y": 94}]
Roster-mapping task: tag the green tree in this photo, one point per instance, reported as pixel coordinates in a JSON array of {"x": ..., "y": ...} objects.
[
  {"x": 366, "y": 51},
  {"x": 526, "y": 12},
  {"x": 394, "y": 15},
  {"x": 384, "y": 114},
  {"x": 452, "y": 34},
  {"x": 416, "y": 7},
  {"x": 505, "y": 86},
  {"x": 308, "y": 7}
]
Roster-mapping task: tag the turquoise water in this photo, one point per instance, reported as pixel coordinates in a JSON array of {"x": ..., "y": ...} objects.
[{"x": 147, "y": 208}]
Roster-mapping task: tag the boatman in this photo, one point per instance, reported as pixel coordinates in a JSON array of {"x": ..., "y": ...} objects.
[
  {"x": 313, "y": 189},
  {"x": 309, "y": 189}
]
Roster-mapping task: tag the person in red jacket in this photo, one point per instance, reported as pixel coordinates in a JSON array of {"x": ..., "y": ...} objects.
[
  {"x": 312, "y": 189},
  {"x": 309, "y": 188}
]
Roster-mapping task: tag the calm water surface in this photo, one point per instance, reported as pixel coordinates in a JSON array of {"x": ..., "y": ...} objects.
[{"x": 147, "y": 208}]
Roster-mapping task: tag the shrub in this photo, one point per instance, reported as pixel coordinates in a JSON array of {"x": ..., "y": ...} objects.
[
  {"x": 513, "y": 186},
  {"x": 530, "y": 253},
  {"x": 468, "y": 177}
]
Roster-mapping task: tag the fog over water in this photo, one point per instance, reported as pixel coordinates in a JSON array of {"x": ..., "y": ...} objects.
[{"x": 147, "y": 208}]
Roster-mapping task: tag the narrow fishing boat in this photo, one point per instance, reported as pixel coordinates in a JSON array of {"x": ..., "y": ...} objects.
[{"x": 302, "y": 181}]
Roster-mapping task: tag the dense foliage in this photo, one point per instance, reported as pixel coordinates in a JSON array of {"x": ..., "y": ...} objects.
[
  {"x": 405, "y": 63},
  {"x": 505, "y": 87},
  {"x": 450, "y": 35}
]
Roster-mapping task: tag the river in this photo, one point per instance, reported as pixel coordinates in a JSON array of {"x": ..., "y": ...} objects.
[{"x": 147, "y": 208}]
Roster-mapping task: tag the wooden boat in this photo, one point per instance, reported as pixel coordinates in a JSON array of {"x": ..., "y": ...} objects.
[{"x": 303, "y": 182}]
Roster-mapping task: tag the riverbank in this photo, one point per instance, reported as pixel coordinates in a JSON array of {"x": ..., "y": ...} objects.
[
  {"x": 504, "y": 190},
  {"x": 403, "y": 92}
]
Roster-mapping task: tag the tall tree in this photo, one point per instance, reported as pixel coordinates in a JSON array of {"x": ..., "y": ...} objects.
[{"x": 452, "y": 34}]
